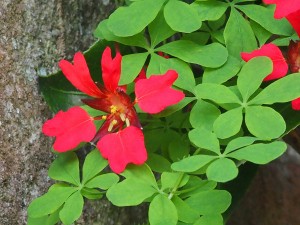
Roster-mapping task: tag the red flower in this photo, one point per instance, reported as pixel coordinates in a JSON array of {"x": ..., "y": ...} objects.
[
  {"x": 289, "y": 9},
  {"x": 296, "y": 104},
  {"x": 293, "y": 56},
  {"x": 280, "y": 67},
  {"x": 120, "y": 139}
]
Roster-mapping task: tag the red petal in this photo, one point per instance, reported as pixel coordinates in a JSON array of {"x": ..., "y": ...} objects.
[
  {"x": 111, "y": 69},
  {"x": 296, "y": 104},
  {"x": 155, "y": 94},
  {"x": 280, "y": 67},
  {"x": 79, "y": 75},
  {"x": 284, "y": 7},
  {"x": 123, "y": 147},
  {"x": 294, "y": 19},
  {"x": 70, "y": 128},
  {"x": 142, "y": 75}
]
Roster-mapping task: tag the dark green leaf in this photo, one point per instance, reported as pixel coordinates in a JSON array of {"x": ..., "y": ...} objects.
[
  {"x": 91, "y": 194},
  {"x": 178, "y": 149},
  {"x": 158, "y": 163}
]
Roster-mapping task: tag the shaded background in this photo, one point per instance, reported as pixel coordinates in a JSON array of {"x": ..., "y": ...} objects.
[{"x": 34, "y": 36}]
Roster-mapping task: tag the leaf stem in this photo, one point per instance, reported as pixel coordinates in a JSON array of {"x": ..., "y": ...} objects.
[{"x": 176, "y": 185}]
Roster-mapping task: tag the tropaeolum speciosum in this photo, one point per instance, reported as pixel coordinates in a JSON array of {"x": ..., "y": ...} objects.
[{"x": 120, "y": 138}]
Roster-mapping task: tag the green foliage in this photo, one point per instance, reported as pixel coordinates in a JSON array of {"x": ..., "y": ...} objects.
[{"x": 229, "y": 116}]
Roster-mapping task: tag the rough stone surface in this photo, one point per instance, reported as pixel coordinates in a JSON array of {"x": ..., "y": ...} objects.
[
  {"x": 34, "y": 35},
  {"x": 274, "y": 195}
]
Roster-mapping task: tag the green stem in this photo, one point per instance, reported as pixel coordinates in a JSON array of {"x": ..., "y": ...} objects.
[{"x": 176, "y": 185}]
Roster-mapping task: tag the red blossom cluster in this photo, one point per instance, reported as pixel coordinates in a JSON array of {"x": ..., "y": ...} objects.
[{"x": 120, "y": 138}]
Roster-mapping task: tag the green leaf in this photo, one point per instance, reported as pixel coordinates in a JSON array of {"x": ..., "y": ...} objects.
[
  {"x": 261, "y": 33},
  {"x": 139, "y": 185},
  {"x": 59, "y": 93},
  {"x": 212, "y": 55},
  {"x": 252, "y": 74},
  {"x": 132, "y": 66},
  {"x": 65, "y": 168},
  {"x": 264, "y": 122},
  {"x": 185, "y": 78},
  {"x": 203, "y": 115},
  {"x": 223, "y": 73},
  {"x": 162, "y": 211},
  {"x": 93, "y": 164},
  {"x": 182, "y": 17},
  {"x": 185, "y": 212},
  {"x": 238, "y": 35},
  {"x": 260, "y": 153},
  {"x": 265, "y": 17},
  {"x": 222, "y": 170},
  {"x": 216, "y": 92},
  {"x": 179, "y": 148},
  {"x": 210, "y": 220},
  {"x": 192, "y": 163},
  {"x": 160, "y": 65},
  {"x": 104, "y": 181},
  {"x": 174, "y": 108},
  {"x": 205, "y": 139},
  {"x": 49, "y": 202},
  {"x": 200, "y": 38},
  {"x": 283, "y": 90},
  {"x": 210, "y": 202},
  {"x": 169, "y": 180},
  {"x": 239, "y": 143},
  {"x": 52, "y": 219},
  {"x": 72, "y": 209},
  {"x": 210, "y": 10},
  {"x": 91, "y": 194},
  {"x": 141, "y": 12},
  {"x": 229, "y": 123},
  {"x": 103, "y": 32},
  {"x": 158, "y": 163},
  {"x": 155, "y": 30}
]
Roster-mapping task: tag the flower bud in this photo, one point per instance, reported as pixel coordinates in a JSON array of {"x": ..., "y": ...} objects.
[{"x": 294, "y": 56}]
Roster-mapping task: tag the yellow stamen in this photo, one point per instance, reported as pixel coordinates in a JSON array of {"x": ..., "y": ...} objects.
[
  {"x": 127, "y": 122},
  {"x": 122, "y": 116},
  {"x": 111, "y": 125},
  {"x": 113, "y": 109},
  {"x": 104, "y": 117}
]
